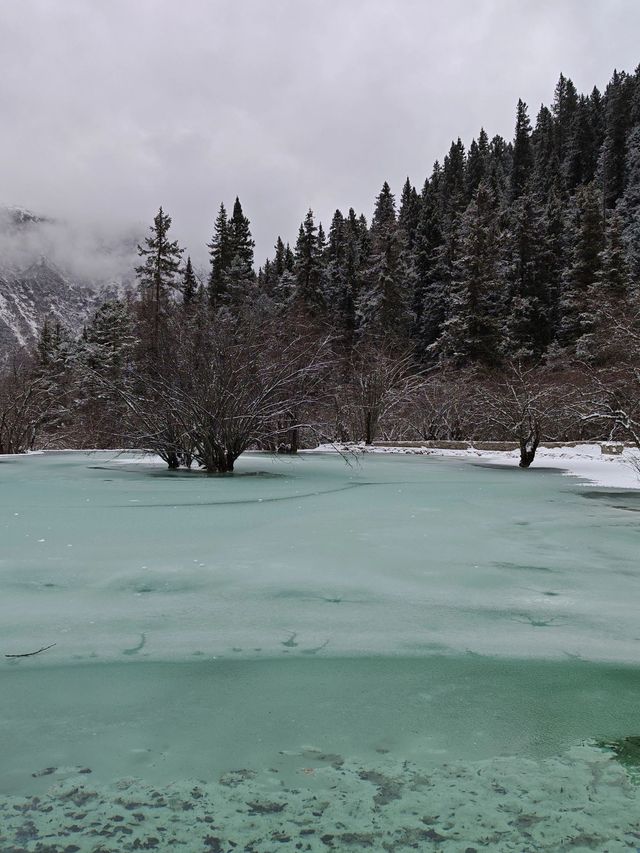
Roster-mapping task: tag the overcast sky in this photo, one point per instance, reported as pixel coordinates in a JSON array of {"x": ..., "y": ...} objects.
[{"x": 112, "y": 107}]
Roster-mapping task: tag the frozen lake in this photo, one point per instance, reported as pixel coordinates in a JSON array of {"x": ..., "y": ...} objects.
[{"x": 312, "y": 655}]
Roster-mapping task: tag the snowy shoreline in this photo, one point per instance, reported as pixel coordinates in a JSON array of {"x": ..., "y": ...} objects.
[{"x": 584, "y": 461}]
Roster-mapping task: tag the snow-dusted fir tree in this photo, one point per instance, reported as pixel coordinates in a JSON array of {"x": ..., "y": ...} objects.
[
  {"x": 522, "y": 161},
  {"x": 585, "y": 236},
  {"x": 629, "y": 204},
  {"x": 527, "y": 328},
  {"x": 158, "y": 272},
  {"x": 384, "y": 306},
  {"x": 472, "y": 331},
  {"x": 240, "y": 272},
  {"x": 220, "y": 257},
  {"x": 189, "y": 285},
  {"x": 308, "y": 265}
]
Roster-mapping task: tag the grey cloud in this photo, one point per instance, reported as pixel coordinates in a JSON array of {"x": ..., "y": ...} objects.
[{"x": 113, "y": 108}]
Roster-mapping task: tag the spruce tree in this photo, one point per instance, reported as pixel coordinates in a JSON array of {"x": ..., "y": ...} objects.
[
  {"x": 189, "y": 285},
  {"x": 157, "y": 274},
  {"x": 528, "y": 323},
  {"x": 308, "y": 265},
  {"x": 409, "y": 213},
  {"x": 545, "y": 160},
  {"x": 384, "y": 305},
  {"x": 471, "y": 333},
  {"x": 476, "y": 164},
  {"x": 241, "y": 243},
  {"x": 629, "y": 205},
  {"x": 522, "y": 154},
  {"x": 613, "y": 155},
  {"x": 613, "y": 279},
  {"x": 565, "y": 103},
  {"x": 220, "y": 251},
  {"x": 585, "y": 235}
]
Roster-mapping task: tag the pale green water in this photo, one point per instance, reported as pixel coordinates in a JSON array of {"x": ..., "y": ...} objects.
[{"x": 408, "y": 653}]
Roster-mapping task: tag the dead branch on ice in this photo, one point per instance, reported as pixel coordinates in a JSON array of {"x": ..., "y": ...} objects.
[{"x": 31, "y": 654}]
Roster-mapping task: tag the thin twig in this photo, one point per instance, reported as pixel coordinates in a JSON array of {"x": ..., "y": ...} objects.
[{"x": 31, "y": 654}]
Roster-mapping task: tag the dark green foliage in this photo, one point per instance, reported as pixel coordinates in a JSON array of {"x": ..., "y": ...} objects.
[
  {"x": 189, "y": 285},
  {"x": 308, "y": 266},
  {"x": 158, "y": 272},
  {"x": 522, "y": 160},
  {"x": 471, "y": 333},
  {"x": 220, "y": 251}
]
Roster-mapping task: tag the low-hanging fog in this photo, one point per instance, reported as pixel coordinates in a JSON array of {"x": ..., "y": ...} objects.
[{"x": 111, "y": 109}]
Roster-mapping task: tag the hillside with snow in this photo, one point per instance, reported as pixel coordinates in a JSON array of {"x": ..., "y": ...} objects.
[{"x": 50, "y": 269}]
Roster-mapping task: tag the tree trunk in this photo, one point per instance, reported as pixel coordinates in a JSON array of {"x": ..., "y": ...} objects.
[
  {"x": 529, "y": 445},
  {"x": 219, "y": 461}
]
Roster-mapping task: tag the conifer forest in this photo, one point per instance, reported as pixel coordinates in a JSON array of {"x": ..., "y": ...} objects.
[{"x": 497, "y": 299}]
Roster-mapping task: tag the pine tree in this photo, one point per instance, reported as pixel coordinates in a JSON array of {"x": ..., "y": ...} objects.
[
  {"x": 471, "y": 332},
  {"x": 109, "y": 340},
  {"x": 522, "y": 153},
  {"x": 585, "y": 235},
  {"x": 189, "y": 285},
  {"x": 528, "y": 324},
  {"x": 565, "y": 103},
  {"x": 220, "y": 251},
  {"x": 629, "y": 205},
  {"x": 614, "y": 149},
  {"x": 384, "y": 303},
  {"x": 280, "y": 260},
  {"x": 430, "y": 268},
  {"x": 241, "y": 243},
  {"x": 613, "y": 280},
  {"x": 543, "y": 139},
  {"x": 477, "y": 164},
  {"x": 409, "y": 213},
  {"x": 308, "y": 266},
  {"x": 159, "y": 269}
]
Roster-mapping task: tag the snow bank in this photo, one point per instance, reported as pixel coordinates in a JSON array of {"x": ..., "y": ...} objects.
[{"x": 585, "y": 460}]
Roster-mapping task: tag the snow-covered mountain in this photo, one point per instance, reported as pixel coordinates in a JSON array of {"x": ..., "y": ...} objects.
[{"x": 50, "y": 269}]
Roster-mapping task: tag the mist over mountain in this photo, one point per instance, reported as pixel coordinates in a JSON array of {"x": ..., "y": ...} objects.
[{"x": 55, "y": 268}]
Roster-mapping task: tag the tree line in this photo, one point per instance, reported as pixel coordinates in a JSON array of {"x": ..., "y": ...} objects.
[{"x": 499, "y": 300}]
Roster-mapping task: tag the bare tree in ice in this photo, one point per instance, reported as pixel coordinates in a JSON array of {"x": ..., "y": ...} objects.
[
  {"x": 379, "y": 383},
  {"x": 222, "y": 388},
  {"x": 517, "y": 404}
]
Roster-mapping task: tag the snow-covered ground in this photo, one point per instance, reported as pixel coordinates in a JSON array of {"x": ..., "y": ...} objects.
[{"x": 585, "y": 461}]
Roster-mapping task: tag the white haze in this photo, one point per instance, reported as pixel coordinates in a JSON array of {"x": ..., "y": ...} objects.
[
  {"x": 90, "y": 254},
  {"x": 113, "y": 108}
]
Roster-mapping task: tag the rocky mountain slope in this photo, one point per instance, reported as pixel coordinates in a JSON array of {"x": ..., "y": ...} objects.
[{"x": 40, "y": 276}]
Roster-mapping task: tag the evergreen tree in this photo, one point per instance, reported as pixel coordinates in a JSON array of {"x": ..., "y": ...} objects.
[
  {"x": 586, "y": 238},
  {"x": 109, "y": 340},
  {"x": 522, "y": 154},
  {"x": 239, "y": 276},
  {"x": 471, "y": 332},
  {"x": 409, "y": 213},
  {"x": 629, "y": 205},
  {"x": 613, "y": 279},
  {"x": 308, "y": 266},
  {"x": 543, "y": 139},
  {"x": 565, "y": 103},
  {"x": 221, "y": 254},
  {"x": 280, "y": 259},
  {"x": 528, "y": 324},
  {"x": 241, "y": 243},
  {"x": 159, "y": 268},
  {"x": 384, "y": 303},
  {"x": 189, "y": 285},
  {"x": 613, "y": 156},
  {"x": 477, "y": 164}
]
